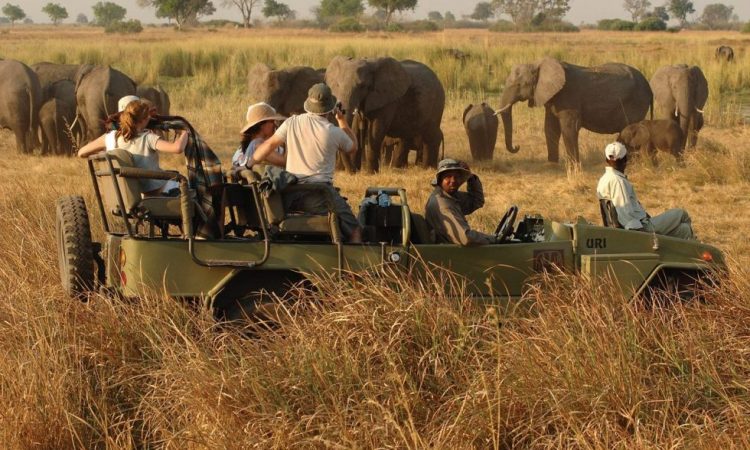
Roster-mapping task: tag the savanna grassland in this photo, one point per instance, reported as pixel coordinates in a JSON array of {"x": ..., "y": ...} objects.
[{"x": 373, "y": 362}]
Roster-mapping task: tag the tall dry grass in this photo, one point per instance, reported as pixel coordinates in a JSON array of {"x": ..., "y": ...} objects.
[{"x": 381, "y": 361}]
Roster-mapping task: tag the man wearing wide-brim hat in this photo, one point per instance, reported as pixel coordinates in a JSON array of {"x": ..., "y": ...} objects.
[
  {"x": 312, "y": 143},
  {"x": 615, "y": 187},
  {"x": 447, "y": 207}
]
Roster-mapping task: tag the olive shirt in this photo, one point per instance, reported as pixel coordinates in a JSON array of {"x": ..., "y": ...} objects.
[{"x": 446, "y": 214}]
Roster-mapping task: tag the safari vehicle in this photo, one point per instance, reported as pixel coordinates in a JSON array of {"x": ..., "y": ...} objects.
[{"x": 150, "y": 244}]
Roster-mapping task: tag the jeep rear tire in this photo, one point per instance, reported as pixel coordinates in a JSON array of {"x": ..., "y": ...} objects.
[{"x": 74, "y": 248}]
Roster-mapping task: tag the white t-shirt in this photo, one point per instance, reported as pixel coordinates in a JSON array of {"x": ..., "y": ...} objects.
[
  {"x": 615, "y": 187},
  {"x": 312, "y": 142},
  {"x": 240, "y": 157},
  {"x": 145, "y": 155}
]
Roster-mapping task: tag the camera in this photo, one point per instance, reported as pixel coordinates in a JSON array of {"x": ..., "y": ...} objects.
[{"x": 340, "y": 108}]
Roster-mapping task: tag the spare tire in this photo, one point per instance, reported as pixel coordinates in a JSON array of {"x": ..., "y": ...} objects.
[{"x": 74, "y": 247}]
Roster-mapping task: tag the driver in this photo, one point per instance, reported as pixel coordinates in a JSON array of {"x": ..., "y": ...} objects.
[{"x": 446, "y": 208}]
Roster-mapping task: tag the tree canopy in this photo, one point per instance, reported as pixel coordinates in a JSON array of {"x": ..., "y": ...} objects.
[
  {"x": 181, "y": 11},
  {"x": 523, "y": 11},
  {"x": 636, "y": 8},
  {"x": 13, "y": 12},
  {"x": 338, "y": 8},
  {"x": 482, "y": 11},
  {"x": 680, "y": 9},
  {"x": 106, "y": 13},
  {"x": 56, "y": 12},
  {"x": 246, "y": 9},
  {"x": 282, "y": 11},
  {"x": 435, "y": 16},
  {"x": 82, "y": 19},
  {"x": 391, "y": 6},
  {"x": 717, "y": 16}
]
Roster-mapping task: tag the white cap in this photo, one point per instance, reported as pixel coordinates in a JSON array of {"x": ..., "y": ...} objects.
[
  {"x": 615, "y": 151},
  {"x": 123, "y": 102}
]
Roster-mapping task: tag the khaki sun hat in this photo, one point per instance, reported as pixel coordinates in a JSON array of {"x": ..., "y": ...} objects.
[
  {"x": 615, "y": 151},
  {"x": 447, "y": 165},
  {"x": 125, "y": 101},
  {"x": 259, "y": 112},
  {"x": 320, "y": 99}
]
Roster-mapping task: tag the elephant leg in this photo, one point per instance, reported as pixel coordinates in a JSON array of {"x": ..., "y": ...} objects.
[
  {"x": 692, "y": 132},
  {"x": 430, "y": 145},
  {"x": 400, "y": 155},
  {"x": 22, "y": 142},
  {"x": 372, "y": 150},
  {"x": 552, "y": 135},
  {"x": 569, "y": 127}
]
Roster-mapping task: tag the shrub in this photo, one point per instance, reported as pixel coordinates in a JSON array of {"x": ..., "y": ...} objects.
[
  {"x": 615, "y": 25},
  {"x": 503, "y": 25},
  {"x": 348, "y": 25},
  {"x": 746, "y": 28},
  {"x": 394, "y": 27},
  {"x": 651, "y": 24},
  {"x": 125, "y": 27},
  {"x": 422, "y": 25},
  {"x": 546, "y": 25}
]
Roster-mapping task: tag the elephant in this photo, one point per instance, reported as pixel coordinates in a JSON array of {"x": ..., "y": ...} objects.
[
  {"x": 53, "y": 117},
  {"x": 20, "y": 100},
  {"x": 157, "y": 96},
  {"x": 647, "y": 136},
  {"x": 98, "y": 88},
  {"x": 680, "y": 93},
  {"x": 400, "y": 99},
  {"x": 50, "y": 73},
  {"x": 725, "y": 53},
  {"x": 284, "y": 89},
  {"x": 603, "y": 99},
  {"x": 480, "y": 123}
]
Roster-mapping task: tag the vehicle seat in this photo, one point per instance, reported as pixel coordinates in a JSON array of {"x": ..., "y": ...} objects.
[
  {"x": 609, "y": 214},
  {"x": 150, "y": 209},
  {"x": 381, "y": 223},
  {"x": 421, "y": 232}
]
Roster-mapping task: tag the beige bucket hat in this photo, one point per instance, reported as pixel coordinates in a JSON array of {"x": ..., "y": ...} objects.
[
  {"x": 260, "y": 112},
  {"x": 320, "y": 99}
]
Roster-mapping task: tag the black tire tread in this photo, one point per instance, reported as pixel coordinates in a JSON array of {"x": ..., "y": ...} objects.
[{"x": 76, "y": 255}]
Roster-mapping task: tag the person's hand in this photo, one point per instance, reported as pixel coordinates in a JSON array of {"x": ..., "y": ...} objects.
[{"x": 464, "y": 165}]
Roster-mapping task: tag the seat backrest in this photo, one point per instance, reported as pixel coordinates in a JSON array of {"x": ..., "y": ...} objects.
[
  {"x": 130, "y": 188},
  {"x": 609, "y": 214},
  {"x": 421, "y": 233}
]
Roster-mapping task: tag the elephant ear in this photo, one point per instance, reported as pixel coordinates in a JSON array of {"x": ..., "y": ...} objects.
[
  {"x": 463, "y": 116},
  {"x": 390, "y": 82},
  {"x": 701, "y": 86},
  {"x": 84, "y": 70},
  {"x": 550, "y": 80}
]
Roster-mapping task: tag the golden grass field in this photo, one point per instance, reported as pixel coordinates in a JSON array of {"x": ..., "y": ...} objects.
[{"x": 374, "y": 363}]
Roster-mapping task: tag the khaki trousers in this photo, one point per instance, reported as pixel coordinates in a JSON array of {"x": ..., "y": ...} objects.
[{"x": 672, "y": 222}]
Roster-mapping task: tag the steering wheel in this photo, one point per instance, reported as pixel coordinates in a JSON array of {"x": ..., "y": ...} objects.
[{"x": 505, "y": 227}]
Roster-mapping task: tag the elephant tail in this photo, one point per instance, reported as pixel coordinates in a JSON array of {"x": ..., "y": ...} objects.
[
  {"x": 651, "y": 109},
  {"x": 34, "y": 106},
  {"x": 442, "y": 145}
]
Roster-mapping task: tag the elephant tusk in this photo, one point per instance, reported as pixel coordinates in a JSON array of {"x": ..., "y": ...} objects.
[
  {"x": 73, "y": 124},
  {"x": 699, "y": 110},
  {"x": 502, "y": 110}
]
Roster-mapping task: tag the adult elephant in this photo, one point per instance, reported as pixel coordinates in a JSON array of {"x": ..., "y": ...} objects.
[
  {"x": 284, "y": 89},
  {"x": 50, "y": 73},
  {"x": 724, "y": 53},
  {"x": 54, "y": 118},
  {"x": 680, "y": 93},
  {"x": 20, "y": 100},
  {"x": 603, "y": 99},
  {"x": 157, "y": 96},
  {"x": 400, "y": 99},
  {"x": 98, "y": 88}
]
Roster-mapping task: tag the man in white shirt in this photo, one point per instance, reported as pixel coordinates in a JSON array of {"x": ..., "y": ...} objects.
[
  {"x": 312, "y": 142},
  {"x": 615, "y": 187}
]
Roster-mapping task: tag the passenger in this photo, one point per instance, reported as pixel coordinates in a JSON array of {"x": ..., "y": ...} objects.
[
  {"x": 447, "y": 207},
  {"x": 261, "y": 123},
  {"x": 312, "y": 142},
  {"x": 112, "y": 122},
  {"x": 615, "y": 187},
  {"x": 133, "y": 136}
]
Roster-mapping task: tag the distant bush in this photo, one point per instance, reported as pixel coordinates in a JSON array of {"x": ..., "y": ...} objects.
[
  {"x": 394, "y": 27},
  {"x": 746, "y": 28},
  {"x": 546, "y": 25},
  {"x": 674, "y": 29},
  {"x": 348, "y": 25},
  {"x": 473, "y": 24},
  {"x": 221, "y": 23},
  {"x": 422, "y": 25},
  {"x": 651, "y": 24},
  {"x": 615, "y": 25},
  {"x": 126, "y": 27}
]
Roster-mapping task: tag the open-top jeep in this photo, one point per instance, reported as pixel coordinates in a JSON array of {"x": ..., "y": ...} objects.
[{"x": 150, "y": 244}]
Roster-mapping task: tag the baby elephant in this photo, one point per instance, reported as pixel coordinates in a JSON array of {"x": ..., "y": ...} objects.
[
  {"x": 481, "y": 124},
  {"x": 725, "y": 53},
  {"x": 649, "y": 135}
]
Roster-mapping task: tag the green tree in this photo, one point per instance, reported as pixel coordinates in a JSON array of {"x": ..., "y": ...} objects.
[
  {"x": 106, "y": 13},
  {"x": 181, "y": 11},
  {"x": 636, "y": 8},
  {"x": 482, "y": 11},
  {"x": 718, "y": 16},
  {"x": 82, "y": 19},
  {"x": 281, "y": 11},
  {"x": 680, "y": 10},
  {"x": 13, "y": 13},
  {"x": 246, "y": 9},
  {"x": 449, "y": 17},
  {"x": 55, "y": 12},
  {"x": 660, "y": 12},
  {"x": 329, "y": 9},
  {"x": 523, "y": 11},
  {"x": 391, "y": 6},
  {"x": 435, "y": 16}
]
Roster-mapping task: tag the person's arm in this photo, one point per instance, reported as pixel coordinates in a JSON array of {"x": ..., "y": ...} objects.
[
  {"x": 473, "y": 198},
  {"x": 628, "y": 214},
  {"x": 178, "y": 146},
  {"x": 95, "y": 146},
  {"x": 344, "y": 125},
  {"x": 457, "y": 228},
  {"x": 266, "y": 152}
]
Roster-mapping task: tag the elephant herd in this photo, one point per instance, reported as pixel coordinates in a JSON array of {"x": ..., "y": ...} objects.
[
  {"x": 64, "y": 104},
  {"x": 397, "y": 106}
]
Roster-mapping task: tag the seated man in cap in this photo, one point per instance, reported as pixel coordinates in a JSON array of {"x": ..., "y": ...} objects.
[
  {"x": 446, "y": 208},
  {"x": 311, "y": 142},
  {"x": 615, "y": 187}
]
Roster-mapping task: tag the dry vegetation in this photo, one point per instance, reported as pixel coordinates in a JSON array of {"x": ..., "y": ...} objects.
[{"x": 372, "y": 362}]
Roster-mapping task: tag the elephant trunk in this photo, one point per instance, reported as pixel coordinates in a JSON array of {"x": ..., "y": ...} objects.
[{"x": 506, "y": 113}]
